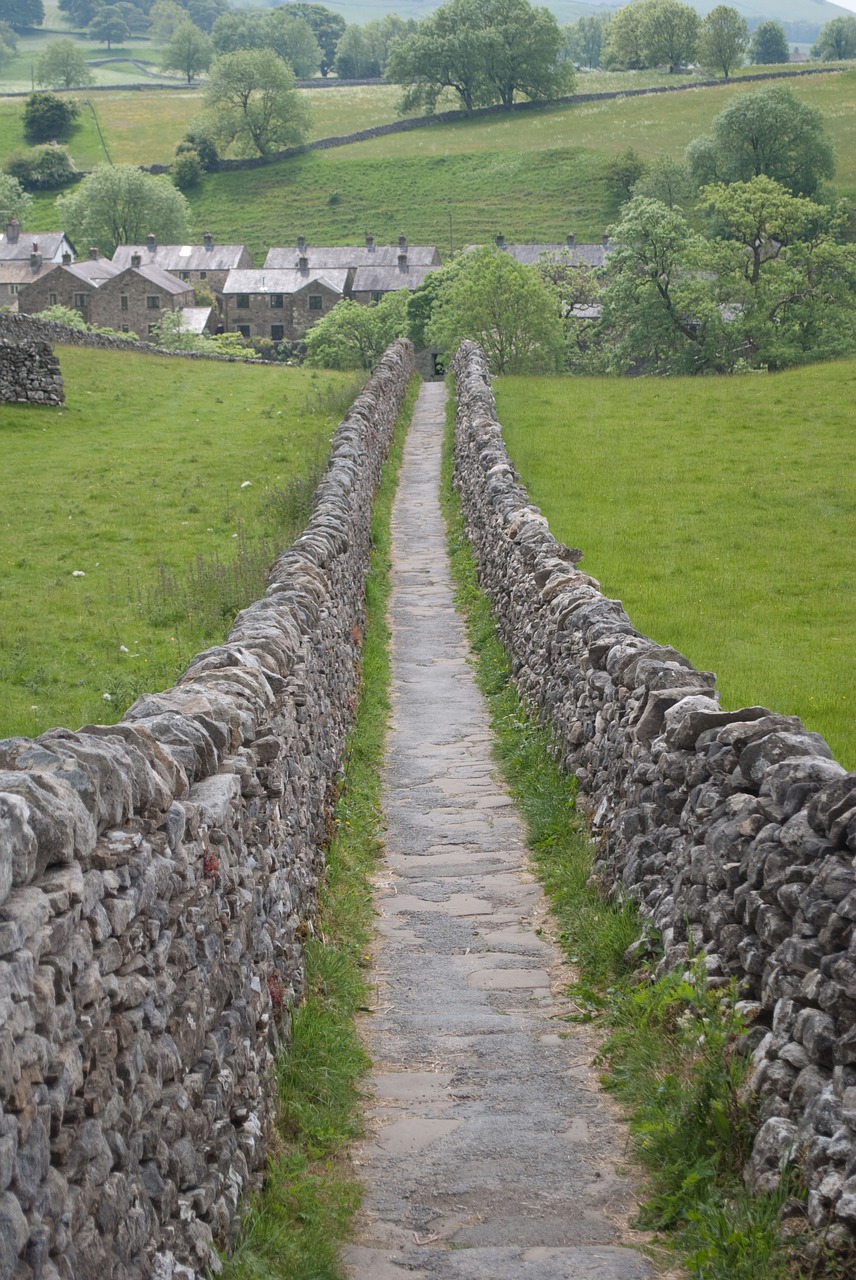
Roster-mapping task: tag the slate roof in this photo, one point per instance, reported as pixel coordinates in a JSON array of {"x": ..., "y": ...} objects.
[
  {"x": 592, "y": 255},
  {"x": 386, "y": 279},
  {"x": 159, "y": 278},
  {"x": 22, "y": 273},
  {"x": 93, "y": 271},
  {"x": 381, "y": 255},
  {"x": 194, "y": 319},
  {"x": 51, "y": 245},
  {"x": 182, "y": 257},
  {"x": 284, "y": 280}
]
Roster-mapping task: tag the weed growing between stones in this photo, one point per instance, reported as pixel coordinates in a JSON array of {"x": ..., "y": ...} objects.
[
  {"x": 674, "y": 1048},
  {"x": 295, "y": 1228}
]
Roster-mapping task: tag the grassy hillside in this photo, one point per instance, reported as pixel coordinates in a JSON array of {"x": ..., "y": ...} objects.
[
  {"x": 137, "y": 485},
  {"x": 721, "y": 511}
]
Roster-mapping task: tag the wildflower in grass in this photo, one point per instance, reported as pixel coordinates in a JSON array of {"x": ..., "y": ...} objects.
[{"x": 77, "y": 573}]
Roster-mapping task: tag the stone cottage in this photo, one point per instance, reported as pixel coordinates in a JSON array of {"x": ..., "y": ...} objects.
[
  {"x": 343, "y": 257},
  {"x": 207, "y": 264},
  {"x": 134, "y": 299},
  {"x": 67, "y": 284},
  {"x": 576, "y": 255},
  {"x": 282, "y": 304},
  {"x": 15, "y": 246}
]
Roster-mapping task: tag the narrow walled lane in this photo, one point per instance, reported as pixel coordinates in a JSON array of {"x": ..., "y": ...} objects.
[{"x": 491, "y": 1153}]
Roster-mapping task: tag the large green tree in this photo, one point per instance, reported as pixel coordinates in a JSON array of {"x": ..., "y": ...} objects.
[
  {"x": 625, "y": 43},
  {"x": 723, "y": 38},
  {"x": 771, "y": 132},
  {"x": 354, "y": 336},
  {"x": 486, "y": 50},
  {"x": 14, "y": 200},
  {"x": 63, "y": 66},
  {"x": 252, "y": 104},
  {"x": 586, "y": 39},
  {"x": 356, "y": 57},
  {"x": 21, "y": 14},
  {"x": 292, "y": 39},
  {"x": 120, "y": 204},
  {"x": 769, "y": 45},
  {"x": 502, "y": 305},
  {"x": 189, "y": 51},
  {"x": 108, "y": 26},
  {"x": 837, "y": 40},
  {"x": 327, "y": 27},
  {"x": 669, "y": 33},
  {"x": 47, "y": 117}
]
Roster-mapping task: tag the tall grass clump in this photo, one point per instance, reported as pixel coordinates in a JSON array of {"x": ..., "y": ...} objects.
[
  {"x": 295, "y": 1228},
  {"x": 673, "y": 1047}
]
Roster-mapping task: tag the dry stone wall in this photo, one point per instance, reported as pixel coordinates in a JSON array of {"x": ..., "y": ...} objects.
[
  {"x": 735, "y": 830},
  {"x": 157, "y": 880},
  {"x": 29, "y": 374}
]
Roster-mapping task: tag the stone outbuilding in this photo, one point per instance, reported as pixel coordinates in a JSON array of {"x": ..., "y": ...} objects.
[
  {"x": 282, "y": 304},
  {"x": 206, "y": 264}
]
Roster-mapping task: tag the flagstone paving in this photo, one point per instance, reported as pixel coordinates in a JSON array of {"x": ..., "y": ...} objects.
[{"x": 491, "y": 1152}]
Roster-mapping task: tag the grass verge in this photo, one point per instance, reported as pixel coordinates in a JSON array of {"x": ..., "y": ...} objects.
[
  {"x": 296, "y": 1227},
  {"x": 671, "y": 1052}
]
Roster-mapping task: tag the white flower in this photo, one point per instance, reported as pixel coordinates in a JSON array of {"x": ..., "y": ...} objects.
[
  {"x": 78, "y": 573},
  {"x": 108, "y": 697},
  {"x": 123, "y": 648},
  {"x": 246, "y": 484}
]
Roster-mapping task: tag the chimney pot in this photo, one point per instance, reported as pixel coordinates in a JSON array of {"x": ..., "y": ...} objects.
[
  {"x": 500, "y": 241},
  {"x": 569, "y": 239},
  {"x": 13, "y": 228},
  {"x": 604, "y": 240},
  {"x": 402, "y": 241},
  {"x": 136, "y": 260},
  {"x": 369, "y": 241},
  {"x": 93, "y": 253},
  {"x": 35, "y": 257},
  {"x": 208, "y": 240},
  {"x": 151, "y": 242},
  {"x": 301, "y": 243},
  {"x": 303, "y": 262}
]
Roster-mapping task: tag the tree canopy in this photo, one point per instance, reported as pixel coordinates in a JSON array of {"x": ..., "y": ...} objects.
[
  {"x": 486, "y": 51},
  {"x": 21, "y": 14},
  {"x": 586, "y": 39},
  {"x": 14, "y": 200},
  {"x": 327, "y": 27},
  {"x": 769, "y": 45},
  {"x": 63, "y": 66},
  {"x": 837, "y": 40},
  {"x": 47, "y": 116},
  {"x": 252, "y": 104},
  {"x": 109, "y": 26},
  {"x": 652, "y": 33},
  {"x": 765, "y": 132},
  {"x": 723, "y": 38},
  {"x": 120, "y": 204},
  {"x": 189, "y": 51},
  {"x": 354, "y": 336}
]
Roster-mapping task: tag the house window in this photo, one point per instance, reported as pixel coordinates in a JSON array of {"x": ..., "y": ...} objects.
[
  {"x": 242, "y": 301},
  {"x": 203, "y": 275},
  {"x": 315, "y": 302},
  {"x": 51, "y": 299},
  {"x": 377, "y": 294},
  {"x": 152, "y": 328},
  {"x": 123, "y": 302},
  {"x": 244, "y": 330},
  {"x": 81, "y": 300},
  {"x": 125, "y": 329},
  {"x": 184, "y": 275},
  {"x": 152, "y": 302},
  {"x": 14, "y": 288},
  {"x": 276, "y": 300},
  {"x": 277, "y": 332}
]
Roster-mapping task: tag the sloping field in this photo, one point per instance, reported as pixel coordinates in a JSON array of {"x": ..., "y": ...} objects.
[
  {"x": 721, "y": 511},
  {"x": 127, "y": 538}
]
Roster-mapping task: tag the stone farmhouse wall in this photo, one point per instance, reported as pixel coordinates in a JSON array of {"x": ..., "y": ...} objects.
[
  {"x": 157, "y": 880},
  {"x": 734, "y": 830},
  {"x": 29, "y": 374}
]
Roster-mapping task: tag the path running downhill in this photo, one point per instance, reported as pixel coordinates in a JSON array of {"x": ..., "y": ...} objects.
[{"x": 492, "y": 1154}]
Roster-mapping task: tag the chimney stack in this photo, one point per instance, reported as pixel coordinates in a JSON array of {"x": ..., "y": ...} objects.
[
  {"x": 369, "y": 241},
  {"x": 604, "y": 240},
  {"x": 151, "y": 243},
  {"x": 569, "y": 240},
  {"x": 35, "y": 257},
  {"x": 303, "y": 262},
  {"x": 136, "y": 260},
  {"x": 500, "y": 241},
  {"x": 402, "y": 241},
  {"x": 402, "y": 261},
  {"x": 208, "y": 240},
  {"x": 301, "y": 243},
  {"x": 13, "y": 229},
  {"x": 93, "y": 254}
]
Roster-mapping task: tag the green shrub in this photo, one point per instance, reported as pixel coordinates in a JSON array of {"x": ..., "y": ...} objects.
[
  {"x": 187, "y": 170},
  {"x": 41, "y": 168},
  {"x": 204, "y": 147},
  {"x": 48, "y": 116}
]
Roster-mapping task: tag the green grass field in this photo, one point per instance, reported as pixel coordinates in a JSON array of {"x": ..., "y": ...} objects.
[
  {"x": 137, "y": 484},
  {"x": 721, "y": 511}
]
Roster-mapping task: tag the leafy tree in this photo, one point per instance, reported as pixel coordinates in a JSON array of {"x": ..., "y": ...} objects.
[
  {"x": 204, "y": 13},
  {"x": 189, "y": 51},
  {"x": 14, "y": 201},
  {"x": 622, "y": 173},
  {"x": 109, "y": 26},
  {"x": 79, "y": 13},
  {"x": 238, "y": 29},
  {"x": 769, "y": 45},
  {"x": 65, "y": 315},
  {"x": 382, "y": 31},
  {"x": 486, "y": 50},
  {"x": 7, "y": 53},
  {"x": 354, "y": 336},
  {"x": 187, "y": 170},
  {"x": 203, "y": 147},
  {"x": 502, "y": 305},
  {"x": 723, "y": 38},
  {"x": 666, "y": 179},
  {"x": 293, "y": 40},
  {"x": 62, "y": 66},
  {"x": 670, "y": 33},
  {"x": 327, "y": 28},
  {"x": 625, "y": 42},
  {"x": 252, "y": 103},
  {"x": 41, "y": 168},
  {"x": 837, "y": 40},
  {"x": 356, "y": 58},
  {"x": 136, "y": 20},
  {"x": 46, "y": 116},
  {"x": 586, "y": 39},
  {"x": 171, "y": 336},
  {"x": 120, "y": 204},
  {"x": 21, "y": 14},
  {"x": 164, "y": 17},
  {"x": 770, "y": 131},
  {"x": 8, "y": 37},
  {"x": 762, "y": 217}
]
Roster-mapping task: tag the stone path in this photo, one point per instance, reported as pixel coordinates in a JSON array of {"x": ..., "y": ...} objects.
[{"x": 492, "y": 1155}]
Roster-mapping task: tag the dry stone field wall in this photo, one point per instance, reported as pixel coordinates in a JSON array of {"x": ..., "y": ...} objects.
[
  {"x": 157, "y": 880},
  {"x": 735, "y": 830},
  {"x": 29, "y": 374}
]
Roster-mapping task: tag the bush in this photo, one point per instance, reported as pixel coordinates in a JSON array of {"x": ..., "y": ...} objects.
[
  {"x": 64, "y": 315},
  {"x": 203, "y": 146},
  {"x": 46, "y": 116},
  {"x": 41, "y": 168},
  {"x": 187, "y": 170}
]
